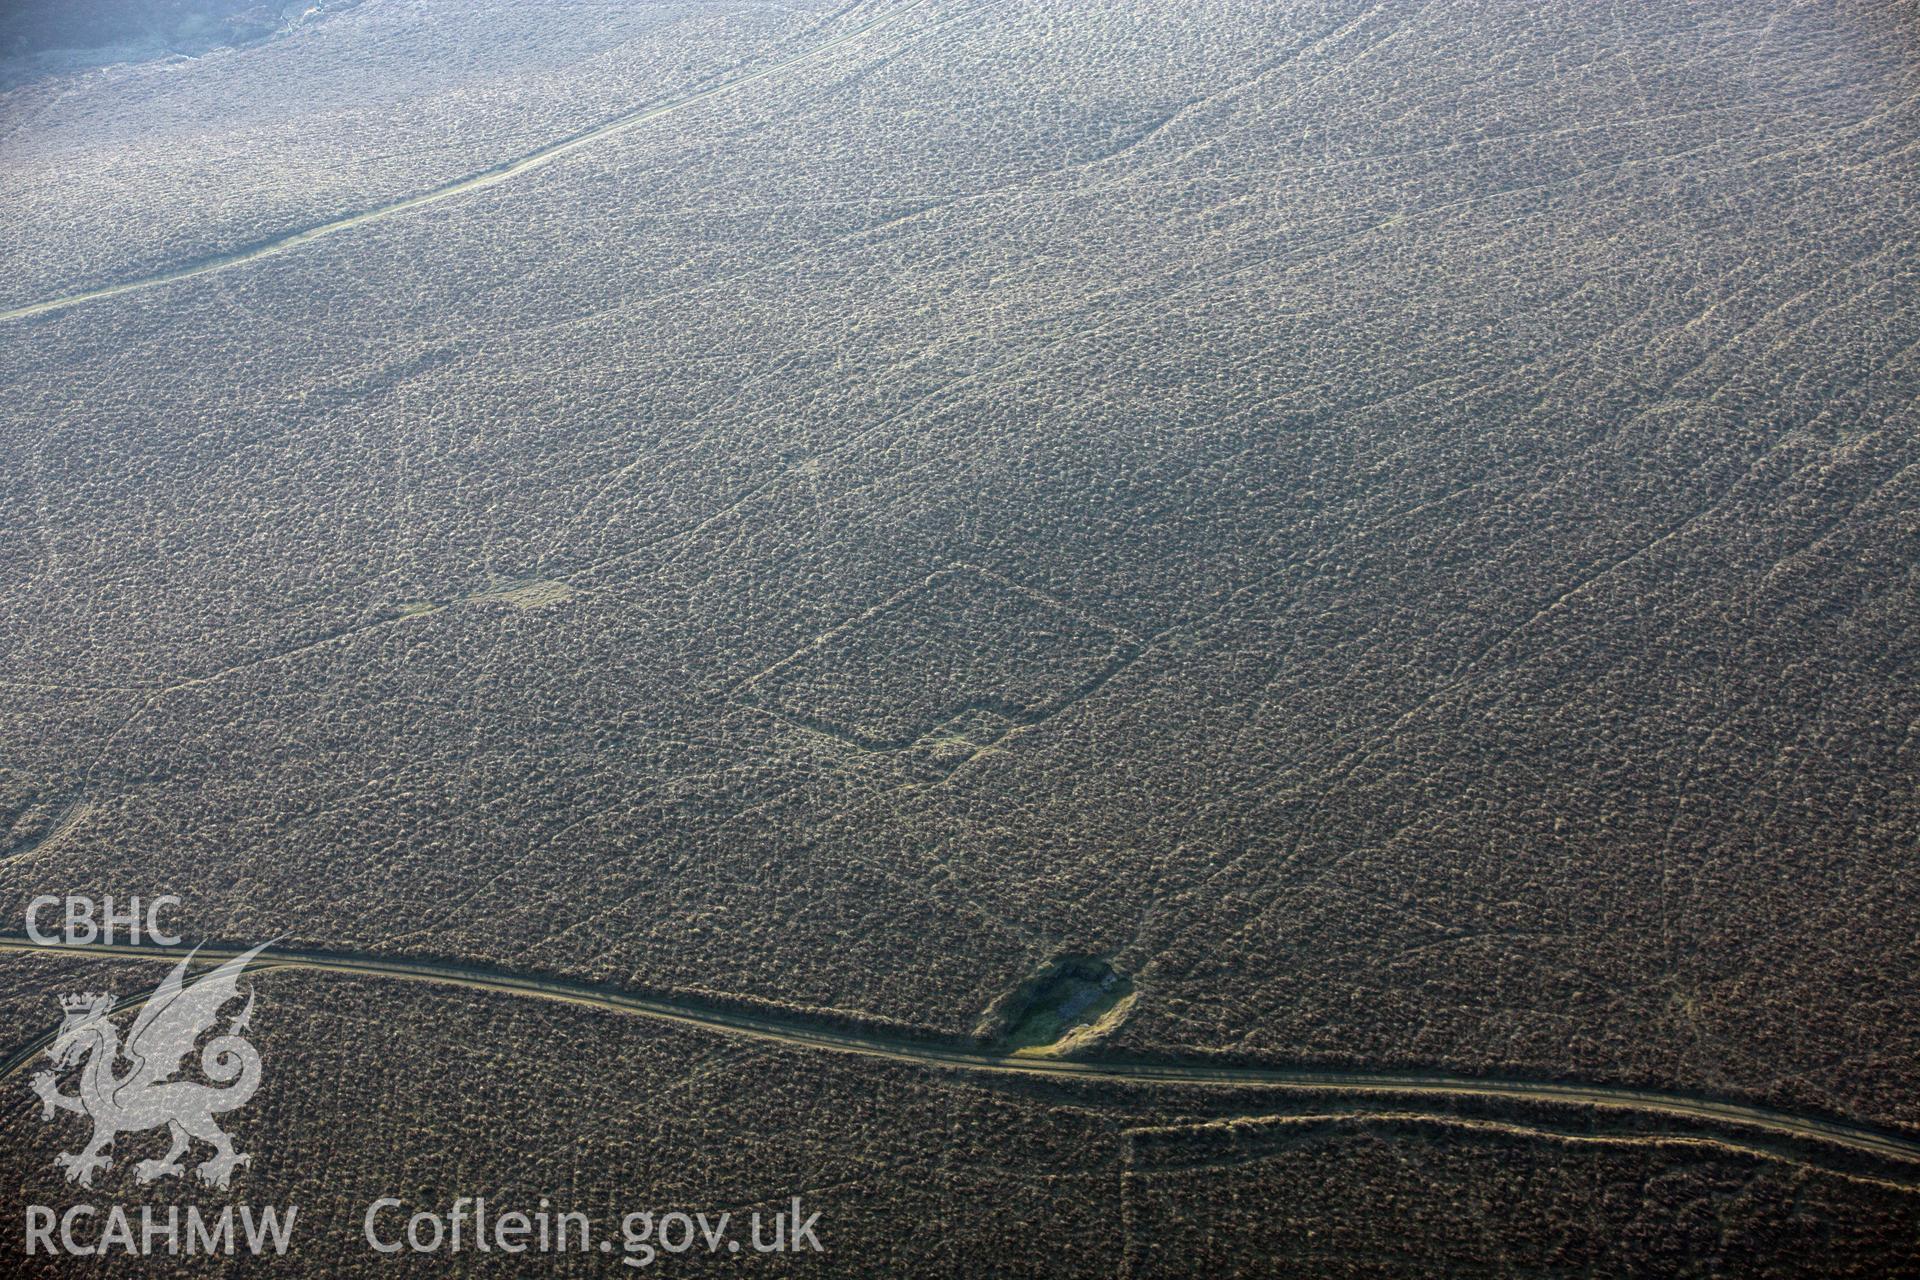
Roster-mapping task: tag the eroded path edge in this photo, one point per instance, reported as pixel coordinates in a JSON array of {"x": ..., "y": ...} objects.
[{"x": 821, "y": 1033}]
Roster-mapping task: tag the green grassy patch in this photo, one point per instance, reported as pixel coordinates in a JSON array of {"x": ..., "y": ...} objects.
[{"x": 1071, "y": 993}]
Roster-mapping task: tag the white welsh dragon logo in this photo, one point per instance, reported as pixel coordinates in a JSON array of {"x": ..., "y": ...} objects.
[{"x": 146, "y": 1095}]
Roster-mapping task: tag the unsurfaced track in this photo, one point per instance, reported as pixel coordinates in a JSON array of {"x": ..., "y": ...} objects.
[
  {"x": 503, "y": 172},
  {"x": 801, "y": 1030}
]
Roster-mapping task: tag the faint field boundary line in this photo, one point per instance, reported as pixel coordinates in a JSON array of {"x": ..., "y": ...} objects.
[
  {"x": 499, "y": 173},
  {"x": 822, "y": 1031},
  {"x": 64, "y": 821},
  {"x": 1307, "y": 1122}
]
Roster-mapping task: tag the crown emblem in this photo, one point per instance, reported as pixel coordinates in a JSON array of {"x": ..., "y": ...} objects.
[{"x": 85, "y": 1002}]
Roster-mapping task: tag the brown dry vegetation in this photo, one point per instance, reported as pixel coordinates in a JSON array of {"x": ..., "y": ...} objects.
[{"x": 1394, "y": 524}]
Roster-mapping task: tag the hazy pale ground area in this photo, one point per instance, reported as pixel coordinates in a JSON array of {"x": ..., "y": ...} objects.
[{"x": 1395, "y": 527}]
